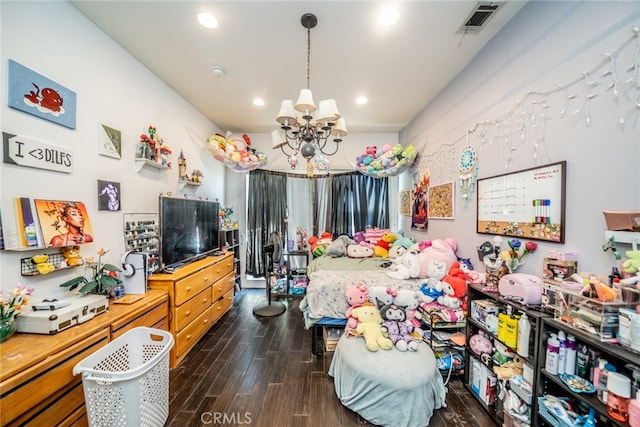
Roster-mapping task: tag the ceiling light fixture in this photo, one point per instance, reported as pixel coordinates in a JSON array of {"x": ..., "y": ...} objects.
[
  {"x": 304, "y": 132},
  {"x": 207, "y": 20}
]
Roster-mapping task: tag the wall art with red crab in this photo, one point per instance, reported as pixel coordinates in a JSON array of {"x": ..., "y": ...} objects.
[{"x": 35, "y": 94}]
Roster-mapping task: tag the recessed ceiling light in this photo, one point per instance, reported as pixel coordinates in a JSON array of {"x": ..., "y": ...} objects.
[
  {"x": 258, "y": 102},
  {"x": 361, "y": 100},
  {"x": 388, "y": 15},
  {"x": 207, "y": 20}
]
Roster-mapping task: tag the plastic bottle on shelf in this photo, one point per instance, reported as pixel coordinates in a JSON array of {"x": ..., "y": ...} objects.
[
  {"x": 582, "y": 361},
  {"x": 570, "y": 361},
  {"x": 562, "y": 352},
  {"x": 601, "y": 387},
  {"x": 618, "y": 394},
  {"x": 596, "y": 372},
  {"x": 553, "y": 348},
  {"x": 524, "y": 331}
]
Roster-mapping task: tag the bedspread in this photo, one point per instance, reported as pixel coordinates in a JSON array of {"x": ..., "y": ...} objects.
[{"x": 325, "y": 292}]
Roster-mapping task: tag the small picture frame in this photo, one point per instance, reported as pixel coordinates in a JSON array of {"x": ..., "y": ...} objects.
[
  {"x": 109, "y": 196},
  {"x": 404, "y": 202},
  {"x": 110, "y": 142},
  {"x": 442, "y": 201}
]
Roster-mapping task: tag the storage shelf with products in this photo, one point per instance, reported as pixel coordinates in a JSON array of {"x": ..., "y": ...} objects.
[
  {"x": 289, "y": 279},
  {"x": 230, "y": 242},
  {"x": 141, "y": 235},
  {"x": 590, "y": 344},
  {"x": 484, "y": 310}
]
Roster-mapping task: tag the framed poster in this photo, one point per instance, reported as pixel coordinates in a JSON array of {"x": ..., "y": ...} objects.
[
  {"x": 108, "y": 196},
  {"x": 63, "y": 223},
  {"x": 404, "y": 202},
  {"x": 35, "y": 94},
  {"x": 528, "y": 204},
  {"x": 441, "y": 201},
  {"x": 420, "y": 203},
  {"x": 110, "y": 142}
]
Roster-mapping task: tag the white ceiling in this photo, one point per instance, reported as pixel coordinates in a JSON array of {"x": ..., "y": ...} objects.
[{"x": 262, "y": 46}]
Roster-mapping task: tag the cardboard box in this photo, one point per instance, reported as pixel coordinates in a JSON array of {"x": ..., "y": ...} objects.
[
  {"x": 622, "y": 220},
  {"x": 331, "y": 336},
  {"x": 480, "y": 309}
]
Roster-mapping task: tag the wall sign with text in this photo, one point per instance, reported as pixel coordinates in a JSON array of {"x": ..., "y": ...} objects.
[{"x": 26, "y": 152}]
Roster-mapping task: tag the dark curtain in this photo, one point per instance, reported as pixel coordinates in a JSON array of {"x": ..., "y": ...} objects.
[
  {"x": 358, "y": 202},
  {"x": 266, "y": 212}
]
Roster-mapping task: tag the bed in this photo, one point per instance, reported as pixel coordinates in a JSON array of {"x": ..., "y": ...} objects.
[{"x": 369, "y": 383}]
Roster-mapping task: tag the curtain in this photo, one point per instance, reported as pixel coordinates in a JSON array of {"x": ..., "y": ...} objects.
[
  {"x": 266, "y": 213},
  {"x": 358, "y": 202}
]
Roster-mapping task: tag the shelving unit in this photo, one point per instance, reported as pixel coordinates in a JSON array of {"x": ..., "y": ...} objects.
[
  {"x": 632, "y": 237},
  {"x": 536, "y": 352},
  {"x": 141, "y": 234},
  {"x": 442, "y": 346},
  {"x": 29, "y": 268},
  {"x": 140, "y": 163},
  {"x": 230, "y": 241},
  {"x": 188, "y": 184},
  {"x": 615, "y": 354},
  {"x": 289, "y": 279}
]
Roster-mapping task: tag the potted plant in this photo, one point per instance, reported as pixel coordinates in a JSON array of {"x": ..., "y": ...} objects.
[
  {"x": 104, "y": 277},
  {"x": 10, "y": 306}
]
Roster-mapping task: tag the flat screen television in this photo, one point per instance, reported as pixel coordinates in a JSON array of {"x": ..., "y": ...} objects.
[{"x": 188, "y": 230}]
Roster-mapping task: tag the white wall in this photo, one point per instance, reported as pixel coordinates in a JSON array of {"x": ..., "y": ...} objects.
[
  {"x": 113, "y": 88},
  {"x": 548, "y": 43}
]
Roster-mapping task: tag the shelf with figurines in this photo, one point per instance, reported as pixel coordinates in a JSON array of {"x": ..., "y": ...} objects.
[
  {"x": 152, "y": 151},
  {"x": 185, "y": 180},
  {"x": 41, "y": 264}
]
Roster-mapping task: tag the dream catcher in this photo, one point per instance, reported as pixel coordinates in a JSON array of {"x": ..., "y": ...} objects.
[{"x": 468, "y": 168}]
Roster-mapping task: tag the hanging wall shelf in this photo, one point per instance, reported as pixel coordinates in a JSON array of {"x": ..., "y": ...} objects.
[{"x": 140, "y": 163}]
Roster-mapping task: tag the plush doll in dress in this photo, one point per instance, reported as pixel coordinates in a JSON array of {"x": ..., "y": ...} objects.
[
  {"x": 370, "y": 328},
  {"x": 356, "y": 296},
  {"x": 395, "y": 326},
  {"x": 454, "y": 286},
  {"x": 431, "y": 290},
  {"x": 409, "y": 301}
]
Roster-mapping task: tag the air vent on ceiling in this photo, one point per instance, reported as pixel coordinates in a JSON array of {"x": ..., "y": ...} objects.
[{"x": 479, "y": 16}]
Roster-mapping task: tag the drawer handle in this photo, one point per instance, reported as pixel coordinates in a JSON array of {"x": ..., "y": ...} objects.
[
  {"x": 206, "y": 321},
  {"x": 188, "y": 288},
  {"x": 188, "y": 313},
  {"x": 206, "y": 279},
  {"x": 188, "y": 337},
  {"x": 204, "y": 300}
]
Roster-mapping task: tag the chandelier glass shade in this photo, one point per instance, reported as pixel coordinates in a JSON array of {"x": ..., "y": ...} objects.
[{"x": 304, "y": 128}]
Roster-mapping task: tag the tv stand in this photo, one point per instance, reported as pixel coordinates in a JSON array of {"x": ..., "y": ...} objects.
[{"x": 200, "y": 293}]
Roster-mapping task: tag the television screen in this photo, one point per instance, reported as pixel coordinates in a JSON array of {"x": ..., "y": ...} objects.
[{"x": 188, "y": 230}]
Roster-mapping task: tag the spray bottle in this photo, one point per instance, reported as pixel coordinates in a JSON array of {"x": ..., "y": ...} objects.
[{"x": 634, "y": 403}]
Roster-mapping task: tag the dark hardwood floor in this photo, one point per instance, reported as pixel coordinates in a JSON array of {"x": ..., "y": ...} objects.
[{"x": 260, "y": 372}]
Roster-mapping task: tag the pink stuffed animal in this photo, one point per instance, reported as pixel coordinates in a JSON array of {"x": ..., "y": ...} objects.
[
  {"x": 442, "y": 250},
  {"x": 356, "y": 296}
]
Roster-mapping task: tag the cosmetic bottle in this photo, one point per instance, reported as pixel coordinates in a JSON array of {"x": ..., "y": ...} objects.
[
  {"x": 524, "y": 332},
  {"x": 570, "y": 362},
  {"x": 618, "y": 393},
  {"x": 603, "y": 378},
  {"x": 562, "y": 351},
  {"x": 596, "y": 372},
  {"x": 551, "y": 361}
]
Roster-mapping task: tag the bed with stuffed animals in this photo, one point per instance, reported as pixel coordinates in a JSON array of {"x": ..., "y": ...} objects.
[{"x": 394, "y": 378}]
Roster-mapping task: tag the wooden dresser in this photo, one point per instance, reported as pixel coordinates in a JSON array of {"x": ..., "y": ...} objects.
[
  {"x": 37, "y": 386},
  {"x": 199, "y": 294}
]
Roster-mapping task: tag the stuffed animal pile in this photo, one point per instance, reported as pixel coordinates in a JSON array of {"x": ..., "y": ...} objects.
[
  {"x": 390, "y": 160},
  {"x": 236, "y": 153}
]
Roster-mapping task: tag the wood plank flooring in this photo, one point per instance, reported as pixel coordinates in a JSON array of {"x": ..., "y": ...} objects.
[{"x": 260, "y": 372}]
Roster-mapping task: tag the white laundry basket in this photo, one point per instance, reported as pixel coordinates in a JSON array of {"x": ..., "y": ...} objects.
[{"x": 126, "y": 382}]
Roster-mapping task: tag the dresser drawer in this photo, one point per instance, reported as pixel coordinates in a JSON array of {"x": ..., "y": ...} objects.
[
  {"x": 152, "y": 318},
  {"x": 221, "y": 306},
  {"x": 188, "y": 287},
  {"x": 222, "y": 286},
  {"x": 191, "y": 309},
  {"x": 65, "y": 410},
  {"x": 31, "y": 388},
  {"x": 222, "y": 268},
  {"x": 190, "y": 335}
]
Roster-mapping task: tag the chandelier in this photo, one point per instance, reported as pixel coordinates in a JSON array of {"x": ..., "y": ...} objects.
[{"x": 305, "y": 129}]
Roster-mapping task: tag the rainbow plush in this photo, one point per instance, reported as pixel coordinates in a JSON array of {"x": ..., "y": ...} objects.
[
  {"x": 236, "y": 153},
  {"x": 390, "y": 160}
]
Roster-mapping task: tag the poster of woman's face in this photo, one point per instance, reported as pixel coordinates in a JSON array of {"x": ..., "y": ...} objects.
[
  {"x": 108, "y": 196},
  {"x": 63, "y": 223}
]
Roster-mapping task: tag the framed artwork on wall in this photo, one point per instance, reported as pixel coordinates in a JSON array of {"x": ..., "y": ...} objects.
[
  {"x": 63, "y": 223},
  {"x": 420, "y": 202},
  {"x": 108, "y": 196},
  {"x": 529, "y": 203},
  {"x": 441, "y": 201},
  {"x": 110, "y": 142},
  {"x": 35, "y": 94},
  {"x": 404, "y": 202}
]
